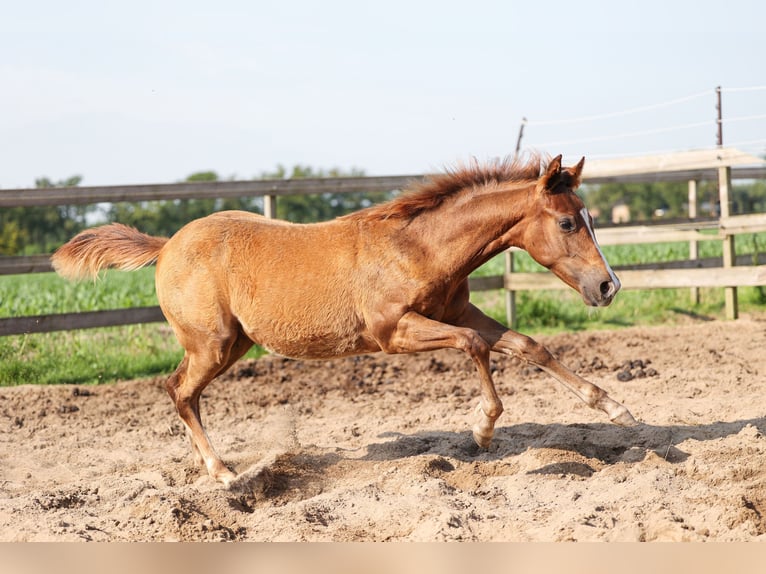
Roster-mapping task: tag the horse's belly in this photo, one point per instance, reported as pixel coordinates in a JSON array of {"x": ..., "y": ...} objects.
[
  {"x": 309, "y": 338},
  {"x": 298, "y": 302},
  {"x": 324, "y": 348}
]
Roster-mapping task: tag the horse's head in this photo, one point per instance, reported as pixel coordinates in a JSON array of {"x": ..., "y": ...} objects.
[{"x": 560, "y": 236}]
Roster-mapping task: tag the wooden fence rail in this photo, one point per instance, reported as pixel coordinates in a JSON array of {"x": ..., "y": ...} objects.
[
  {"x": 672, "y": 274},
  {"x": 81, "y": 320},
  {"x": 727, "y": 272},
  {"x": 199, "y": 190}
]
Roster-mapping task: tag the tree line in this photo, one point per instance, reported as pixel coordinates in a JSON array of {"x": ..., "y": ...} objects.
[
  {"x": 648, "y": 201},
  {"x": 33, "y": 230}
]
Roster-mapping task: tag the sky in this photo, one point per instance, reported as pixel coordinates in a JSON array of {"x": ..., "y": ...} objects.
[{"x": 151, "y": 91}]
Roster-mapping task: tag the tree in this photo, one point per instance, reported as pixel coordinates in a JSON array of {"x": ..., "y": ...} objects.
[
  {"x": 672, "y": 198},
  {"x": 10, "y": 237},
  {"x": 643, "y": 199},
  {"x": 165, "y": 217},
  {"x": 323, "y": 206},
  {"x": 750, "y": 198},
  {"x": 28, "y": 230}
]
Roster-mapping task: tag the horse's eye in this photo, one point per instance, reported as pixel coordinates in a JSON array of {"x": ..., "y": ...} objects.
[{"x": 566, "y": 224}]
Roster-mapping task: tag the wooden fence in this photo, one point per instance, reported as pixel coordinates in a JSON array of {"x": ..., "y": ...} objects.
[{"x": 729, "y": 273}]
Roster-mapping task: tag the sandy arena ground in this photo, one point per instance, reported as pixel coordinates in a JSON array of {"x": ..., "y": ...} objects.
[{"x": 378, "y": 448}]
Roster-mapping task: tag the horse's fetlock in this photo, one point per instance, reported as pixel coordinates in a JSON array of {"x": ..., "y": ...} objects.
[
  {"x": 493, "y": 411},
  {"x": 598, "y": 398}
]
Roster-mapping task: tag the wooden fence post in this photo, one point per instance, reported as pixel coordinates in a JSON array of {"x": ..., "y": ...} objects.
[
  {"x": 729, "y": 252},
  {"x": 693, "y": 245},
  {"x": 510, "y": 294},
  {"x": 270, "y": 206}
]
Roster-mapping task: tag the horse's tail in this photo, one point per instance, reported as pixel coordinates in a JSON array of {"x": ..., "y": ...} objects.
[{"x": 114, "y": 245}]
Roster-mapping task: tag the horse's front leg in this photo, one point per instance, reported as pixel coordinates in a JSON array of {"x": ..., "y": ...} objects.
[
  {"x": 415, "y": 333},
  {"x": 508, "y": 342}
]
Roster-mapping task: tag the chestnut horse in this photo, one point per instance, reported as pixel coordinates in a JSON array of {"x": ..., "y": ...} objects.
[{"x": 392, "y": 278}]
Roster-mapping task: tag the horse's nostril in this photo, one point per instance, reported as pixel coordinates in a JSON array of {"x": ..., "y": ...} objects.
[{"x": 606, "y": 288}]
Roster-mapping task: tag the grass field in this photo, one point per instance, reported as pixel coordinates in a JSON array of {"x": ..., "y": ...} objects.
[
  {"x": 552, "y": 311},
  {"x": 101, "y": 355},
  {"x": 84, "y": 356}
]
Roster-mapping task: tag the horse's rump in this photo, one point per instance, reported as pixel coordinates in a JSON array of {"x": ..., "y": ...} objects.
[{"x": 288, "y": 286}]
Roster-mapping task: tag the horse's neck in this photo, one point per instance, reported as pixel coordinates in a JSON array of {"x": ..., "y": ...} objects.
[{"x": 460, "y": 237}]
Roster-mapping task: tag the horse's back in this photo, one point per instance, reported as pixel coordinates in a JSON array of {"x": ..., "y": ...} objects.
[{"x": 240, "y": 216}]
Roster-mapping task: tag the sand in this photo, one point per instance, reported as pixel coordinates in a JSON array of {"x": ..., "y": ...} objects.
[{"x": 378, "y": 448}]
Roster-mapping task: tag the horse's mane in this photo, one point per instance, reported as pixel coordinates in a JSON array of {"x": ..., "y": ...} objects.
[{"x": 435, "y": 189}]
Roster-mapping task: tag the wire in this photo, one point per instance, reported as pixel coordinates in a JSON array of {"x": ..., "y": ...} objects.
[
  {"x": 669, "y": 150},
  {"x": 618, "y": 114},
  {"x": 744, "y": 118},
  {"x": 750, "y": 89},
  {"x": 624, "y": 135},
  {"x": 631, "y": 154},
  {"x": 747, "y": 142}
]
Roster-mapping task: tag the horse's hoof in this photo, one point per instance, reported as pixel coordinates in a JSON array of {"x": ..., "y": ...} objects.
[
  {"x": 221, "y": 473},
  {"x": 257, "y": 479},
  {"x": 624, "y": 419},
  {"x": 482, "y": 441},
  {"x": 251, "y": 483}
]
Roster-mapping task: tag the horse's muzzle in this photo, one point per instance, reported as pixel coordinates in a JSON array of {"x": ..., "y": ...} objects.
[{"x": 602, "y": 293}]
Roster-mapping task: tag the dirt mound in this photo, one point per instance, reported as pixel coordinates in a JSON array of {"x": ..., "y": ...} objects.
[{"x": 379, "y": 448}]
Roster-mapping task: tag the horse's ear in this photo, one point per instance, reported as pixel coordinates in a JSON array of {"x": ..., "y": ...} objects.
[
  {"x": 575, "y": 174},
  {"x": 552, "y": 176}
]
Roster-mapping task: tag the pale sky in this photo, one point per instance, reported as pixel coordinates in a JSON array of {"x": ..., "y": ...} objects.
[{"x": 150, "y": 91}]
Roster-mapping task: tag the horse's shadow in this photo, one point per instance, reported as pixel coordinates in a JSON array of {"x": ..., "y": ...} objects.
[{"x": 605, "y": 442}]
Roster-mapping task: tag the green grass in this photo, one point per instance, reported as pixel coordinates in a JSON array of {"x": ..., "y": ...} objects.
[
  {"x": 552, "y": 311},
  {"x": 555, "y": 311},
  {"x": 89, "y": 355},
  {"x": 102, "y": 355},
  {"x": 44, "y": 293}
]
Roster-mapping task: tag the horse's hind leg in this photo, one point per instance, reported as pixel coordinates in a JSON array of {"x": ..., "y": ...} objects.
[{"x": 198, "y": 367}]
